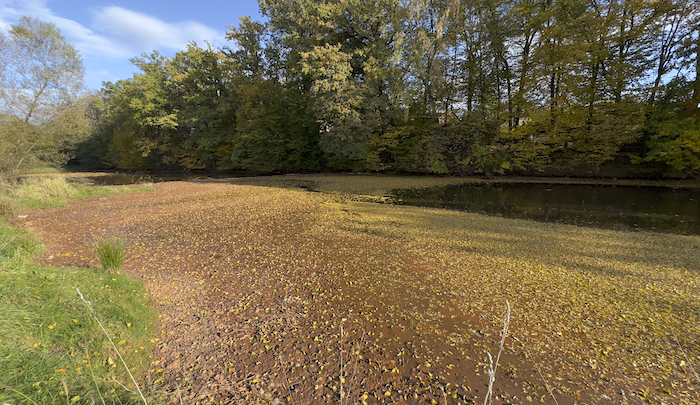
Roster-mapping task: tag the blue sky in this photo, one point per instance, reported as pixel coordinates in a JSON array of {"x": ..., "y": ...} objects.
[{"x": 110, "y": 32}]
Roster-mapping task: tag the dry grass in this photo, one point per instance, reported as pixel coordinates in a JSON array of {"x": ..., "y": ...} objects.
[
  {"x": 40, "y": 188},
  {"x": 8, "y": 207}
]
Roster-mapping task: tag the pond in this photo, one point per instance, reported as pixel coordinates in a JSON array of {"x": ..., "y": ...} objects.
[
  {"x": 657, "y": 209},
  {"x": 624, "y": 208}
]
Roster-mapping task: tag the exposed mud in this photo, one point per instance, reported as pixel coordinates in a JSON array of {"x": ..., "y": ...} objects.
[{"x": 271, "y": 295}]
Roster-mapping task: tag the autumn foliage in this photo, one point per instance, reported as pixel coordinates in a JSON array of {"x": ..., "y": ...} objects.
[{"x": 559, "y": 87}]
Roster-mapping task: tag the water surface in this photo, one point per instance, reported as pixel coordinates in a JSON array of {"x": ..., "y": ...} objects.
[
  {"x": 118, "y": 179},
  {"x": 626, "y": 208}
]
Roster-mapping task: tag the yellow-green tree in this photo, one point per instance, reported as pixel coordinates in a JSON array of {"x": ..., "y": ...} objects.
[{"x": 41, "y": 76}]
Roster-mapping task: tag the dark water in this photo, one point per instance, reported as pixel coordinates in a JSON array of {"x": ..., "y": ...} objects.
[
  {"x": 626, "y": 208},
  {"x": 118, "y": 179}
]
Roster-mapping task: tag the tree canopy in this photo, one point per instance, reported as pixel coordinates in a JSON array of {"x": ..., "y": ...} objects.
[{"x": 430, "y": 86}]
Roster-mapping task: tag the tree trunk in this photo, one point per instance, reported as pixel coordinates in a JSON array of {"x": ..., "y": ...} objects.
[{"x": 696, "y": 86}]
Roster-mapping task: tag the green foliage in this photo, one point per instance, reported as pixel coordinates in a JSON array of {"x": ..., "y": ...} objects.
[
  {"x": 111, "y": 253},
  {"x": 274, "y": 130},
  {"x": 249, "y": 57},
  {"x": 675, "y": 142},
  {"x": 417, "y": 149},
  {"x": 201, "y": 106},
  {"x": 573, "y": 136},
  {"x": 337, "y": 99},
  {"x": 125, "y": 144},
  {"x": 40, "y": 111},
  {"x": 429, "y": 86}
]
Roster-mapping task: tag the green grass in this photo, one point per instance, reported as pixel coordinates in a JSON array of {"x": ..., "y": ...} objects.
[
  {"x": 111, "y": 253},
  {"x": 49, "y": 336},
  {"x": 52, "y": 350}
]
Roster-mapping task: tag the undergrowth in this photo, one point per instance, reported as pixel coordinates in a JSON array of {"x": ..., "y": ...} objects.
[{"x": 52, "y": 350}]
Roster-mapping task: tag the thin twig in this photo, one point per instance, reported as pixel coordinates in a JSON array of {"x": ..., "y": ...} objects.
[
  {"x": 65, "y": 389},
  {"x": 549, "y": 389},
  {"x": 690, "y": 364},
  {"x": 8, "y": 242},
  {"x": 89, "y": 305},
  {"x": 493, "y": 367},
  {"x": 179, "y": 394},
  {"x": 341, "y": 364},
  {"x": 354, "y": 369},
  {"x": 123, "y": 386},
  {"x": 286, "y": 380},
  {"x": 92, "y": 373}
]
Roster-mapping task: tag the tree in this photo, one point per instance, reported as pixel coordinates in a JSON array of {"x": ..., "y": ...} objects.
[
  {"x": 198, "y": 86},
  {"x": 434, "y": 86},
  {"x": 41, "y": 76},
  {"x": 674, "y": 142},
  {"x": 678, "y": 21},
  {"x": 274, "y": 130}
]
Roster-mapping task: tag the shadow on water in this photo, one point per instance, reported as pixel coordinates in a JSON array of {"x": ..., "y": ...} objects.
[{"x": 624, "y": 208}]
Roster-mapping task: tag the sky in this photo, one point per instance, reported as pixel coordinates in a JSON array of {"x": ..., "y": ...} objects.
[{"x": 108, "y": 33}]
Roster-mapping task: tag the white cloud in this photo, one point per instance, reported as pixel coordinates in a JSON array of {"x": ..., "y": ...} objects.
[
  {"x": 136, "y": 33},
  {"x": 12, "y": 10},
  {"x": 93, "y": 77},
  {"x": 114, "y": 32},
  {"x": 113, "y": 35}
]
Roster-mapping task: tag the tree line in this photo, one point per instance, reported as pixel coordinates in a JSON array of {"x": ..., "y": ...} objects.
[{"x": 423, "y": 86}]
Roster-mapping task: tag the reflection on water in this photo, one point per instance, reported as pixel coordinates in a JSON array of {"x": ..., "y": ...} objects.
[
  {"x": 627, "y": 208},
  {"x": 119, "y": 179}
]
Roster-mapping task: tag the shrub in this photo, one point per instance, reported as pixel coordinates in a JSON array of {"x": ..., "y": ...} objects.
[
  {"x": 111, "y": 252},
  {"x": 8, "y": 209}
]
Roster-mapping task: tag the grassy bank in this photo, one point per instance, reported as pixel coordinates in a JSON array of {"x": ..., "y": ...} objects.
[
  {"x": 52, "y": 350},
  {"x": 42, "y": 192}
]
